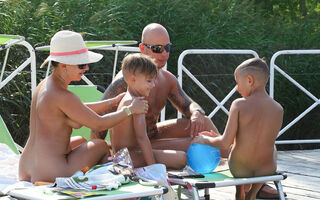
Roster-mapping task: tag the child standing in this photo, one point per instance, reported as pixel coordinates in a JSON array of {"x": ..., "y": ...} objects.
[
  {"x": 253, "y": 124},
  {"x": 139, "y": 72}
]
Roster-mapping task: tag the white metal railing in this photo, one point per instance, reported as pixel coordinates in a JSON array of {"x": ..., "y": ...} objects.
[
  {"x": 273, "y": 66},
  {"x": 31, "y": 60},
  {"x": 316, "y": 100},
  {"x": 18, "y": 40},
  {"x": 181, "y": 67}
]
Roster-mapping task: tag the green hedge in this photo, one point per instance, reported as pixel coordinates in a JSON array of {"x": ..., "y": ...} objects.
[{"x": 263, "y": 26}]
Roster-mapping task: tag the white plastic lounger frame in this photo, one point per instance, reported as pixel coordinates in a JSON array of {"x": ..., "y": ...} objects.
[
  {"x": 123, "y": 192},
  {"x": 108, "y": 46},
  {"x": 273, "y": 67},
  {"x": 7, "y": 41},
  {"x": 181, "y": 68},
  {"x": 194, "y": 185}
]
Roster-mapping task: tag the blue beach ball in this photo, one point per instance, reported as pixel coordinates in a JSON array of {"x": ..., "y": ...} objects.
[{"x": 203, "y": 158}]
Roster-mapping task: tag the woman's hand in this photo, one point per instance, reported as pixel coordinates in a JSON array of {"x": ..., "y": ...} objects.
[
  {"x": 116, "y": 100},
  {"x": 139, "y": 106}
]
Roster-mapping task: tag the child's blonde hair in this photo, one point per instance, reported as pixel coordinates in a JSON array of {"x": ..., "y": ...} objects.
[{"x": 138, "y": 63}]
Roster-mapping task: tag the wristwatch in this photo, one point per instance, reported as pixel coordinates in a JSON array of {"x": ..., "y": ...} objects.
[
  {"x": 201, "y": 111},
  {"x": 126, "y": 109}
]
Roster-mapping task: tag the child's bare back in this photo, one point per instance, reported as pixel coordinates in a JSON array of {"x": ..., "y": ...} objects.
[
  {"x": 253, "y": 124},
  {"x": 253, "y": 153}
]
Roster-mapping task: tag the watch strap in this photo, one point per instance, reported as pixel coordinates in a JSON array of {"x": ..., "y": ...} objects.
[
  {"x": 126, "y": 109},
  {"x": 201, "y": 111}
]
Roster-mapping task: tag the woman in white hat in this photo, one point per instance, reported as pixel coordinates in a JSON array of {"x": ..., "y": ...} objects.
[{"x": 55, "y": 111}]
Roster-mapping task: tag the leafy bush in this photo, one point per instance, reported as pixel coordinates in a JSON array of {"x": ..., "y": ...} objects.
[{"x": 263, "y": 26}]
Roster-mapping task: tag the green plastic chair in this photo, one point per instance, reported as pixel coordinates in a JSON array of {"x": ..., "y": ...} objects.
[
  {"x": 5, "y": 137},
  {"x": 86, "y": 93}
]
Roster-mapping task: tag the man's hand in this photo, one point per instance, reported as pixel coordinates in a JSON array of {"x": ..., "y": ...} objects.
[{"x": 196, "y": 123}]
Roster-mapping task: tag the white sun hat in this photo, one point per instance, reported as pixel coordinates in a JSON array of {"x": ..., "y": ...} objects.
[{"x": 68, "y": 47}]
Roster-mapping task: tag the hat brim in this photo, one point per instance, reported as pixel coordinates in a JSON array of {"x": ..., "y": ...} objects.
[{"x": 77, "y": 59}]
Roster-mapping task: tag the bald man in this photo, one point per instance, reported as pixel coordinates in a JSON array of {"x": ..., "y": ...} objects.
[{"x": 174, "y": 134}]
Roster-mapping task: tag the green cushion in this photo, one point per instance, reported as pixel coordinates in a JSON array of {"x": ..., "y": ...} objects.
[
  {"x": 99, "y": 43},
  {"x": 6, "y": 38},
  {"x": 86, "y": 93},
  {"x": 6, "y": 138}
]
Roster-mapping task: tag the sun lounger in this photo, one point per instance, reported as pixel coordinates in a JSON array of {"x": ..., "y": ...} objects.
[
  {"x": 223, "y": 178},
  {"x": 131, "y": 190}
]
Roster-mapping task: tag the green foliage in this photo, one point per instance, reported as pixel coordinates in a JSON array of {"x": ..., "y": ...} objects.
[{"x": 263, "y": 26}]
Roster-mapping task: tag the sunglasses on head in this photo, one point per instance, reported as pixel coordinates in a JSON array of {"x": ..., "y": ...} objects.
[
  {"x": 82, "y": 66},
  {"x": 159, "y": 48}
]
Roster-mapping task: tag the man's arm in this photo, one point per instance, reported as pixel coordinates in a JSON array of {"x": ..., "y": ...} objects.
[
  {"x": 181, "y": 100},
  {"x": 187, "y": 107},
  {"x": 139, "y": 124},
  {"x": 117, "y": 87}
]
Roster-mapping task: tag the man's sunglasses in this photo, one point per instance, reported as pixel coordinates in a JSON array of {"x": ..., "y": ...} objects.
[
  {"x": 159, "y": 48},
  {"x": 82, "y": 66}
]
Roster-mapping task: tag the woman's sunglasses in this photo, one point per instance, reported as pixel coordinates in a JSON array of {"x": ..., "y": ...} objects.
[
  {"x": 82, "y": 66},
  {"x": 159, "y": 48}
]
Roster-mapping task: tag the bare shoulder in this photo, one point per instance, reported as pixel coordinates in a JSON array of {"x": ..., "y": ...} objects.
[
  {"x": 65, "y": 97},
  {"x": 277, "y": 105},
  {"x": 117, "y": 86},
  {"x": 239, "y": 104},
  {"x": 168, "y": 76},
  {"x": 125, "y": 101}
]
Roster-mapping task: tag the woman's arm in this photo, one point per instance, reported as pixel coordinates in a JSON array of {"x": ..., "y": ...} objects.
[
  {"x": 72, "y": 107},
  {"x": 104, "y": 105}
]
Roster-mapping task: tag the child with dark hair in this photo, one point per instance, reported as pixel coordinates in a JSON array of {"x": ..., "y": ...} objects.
[{"x": 252, "y": 128}]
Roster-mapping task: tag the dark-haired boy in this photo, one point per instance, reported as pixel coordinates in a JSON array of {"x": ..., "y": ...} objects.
[{"x": 253, "y": 125}]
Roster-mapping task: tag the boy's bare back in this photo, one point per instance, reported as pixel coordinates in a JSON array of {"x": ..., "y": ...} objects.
[
  {"x": 253, "y": 124},
  {"x": 259, "y": 120}
]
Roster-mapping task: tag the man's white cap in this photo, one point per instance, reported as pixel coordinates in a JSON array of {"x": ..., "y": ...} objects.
[{"x": 68, "y": 47}]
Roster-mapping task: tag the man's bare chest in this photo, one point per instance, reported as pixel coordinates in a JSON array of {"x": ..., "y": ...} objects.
[{"x": 157, "y": 98}]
